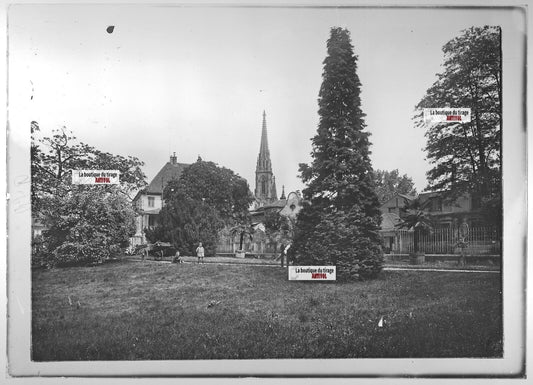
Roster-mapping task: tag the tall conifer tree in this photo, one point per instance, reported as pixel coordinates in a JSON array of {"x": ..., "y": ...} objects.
[{"x": 339, "y": 222}]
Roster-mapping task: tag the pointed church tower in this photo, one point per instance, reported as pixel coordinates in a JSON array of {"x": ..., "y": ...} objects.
[{"x": 265, "y": 182}]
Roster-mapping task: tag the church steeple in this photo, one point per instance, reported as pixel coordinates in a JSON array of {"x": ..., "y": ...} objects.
[
  {"x": 263, "y": 160},
  {"x": 265, "y": 184},
  {"x": 283, "y": 193}
]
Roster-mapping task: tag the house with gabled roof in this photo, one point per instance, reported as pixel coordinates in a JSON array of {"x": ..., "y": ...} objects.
[
  {"x": 446, "y": 211},
  {"x": 396, "y": 203},
  {"x": 149, "y": 200}
]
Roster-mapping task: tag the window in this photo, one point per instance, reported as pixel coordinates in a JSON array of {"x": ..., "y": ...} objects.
[{"x": 151, "y": 201}]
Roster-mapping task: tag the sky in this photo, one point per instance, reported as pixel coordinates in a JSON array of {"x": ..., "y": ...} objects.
[{"x": 196, "y": 80}]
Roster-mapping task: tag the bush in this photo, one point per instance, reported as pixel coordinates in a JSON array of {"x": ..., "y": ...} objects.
[
  {"x": 75, "y": 253},
  {"x": 39, "y": 254},
  {"x": 87, "y": 226}
]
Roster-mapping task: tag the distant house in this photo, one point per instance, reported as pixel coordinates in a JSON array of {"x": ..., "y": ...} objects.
[
  {"x": 389, "y": 231},
  {"x": 149, "y": 200},
  {"x": 445, "y": 213}
]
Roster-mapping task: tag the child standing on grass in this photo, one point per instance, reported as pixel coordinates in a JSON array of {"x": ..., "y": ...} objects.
[
  {"x": 200, "y": 252},
  {"x": 177, "y": 258}
]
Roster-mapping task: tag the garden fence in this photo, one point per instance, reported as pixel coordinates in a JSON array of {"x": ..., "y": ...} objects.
[{"x": 480, "y": 241}]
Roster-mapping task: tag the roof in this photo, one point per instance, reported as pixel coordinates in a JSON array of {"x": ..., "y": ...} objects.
[
  {"x": 431, "y": 194},
  {"x": 167, "y": 173},
  {"x": 408, "y": 197},
  {"x": 278, "y": 204},
  {"x": 403, "y": 196}
]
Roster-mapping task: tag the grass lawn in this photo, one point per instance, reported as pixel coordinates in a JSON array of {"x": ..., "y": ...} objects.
[{"x": 153, "y": 311}]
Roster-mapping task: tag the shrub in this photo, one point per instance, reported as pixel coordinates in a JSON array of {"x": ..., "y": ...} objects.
[{"x": 88, "y": 225}]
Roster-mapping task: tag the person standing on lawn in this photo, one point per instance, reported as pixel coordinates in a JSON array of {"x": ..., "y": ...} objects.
[
  {"x": 282, "y": 254},
  {"x": 286, "y": 254},
  {"x": 200, "y": 252}
]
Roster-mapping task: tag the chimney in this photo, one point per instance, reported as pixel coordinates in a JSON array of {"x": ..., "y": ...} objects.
[{"x": 173, "y": 159}]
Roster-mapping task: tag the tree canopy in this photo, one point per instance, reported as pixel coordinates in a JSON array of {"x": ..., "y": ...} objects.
[
  {"x": 278, "y": 227},
  {"x": 84, "y": 223},
  {"x": 53, "y": 158},
  {"x": 466, "y": 157},
  {"x": 199, "y": 204},
  {"x": 390, "y": 183},
  {"x": 340, "y": 218},
  {"x": 219, "y": 187}
]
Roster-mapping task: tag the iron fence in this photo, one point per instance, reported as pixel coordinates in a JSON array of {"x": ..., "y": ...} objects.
[{"x": 479, "y": 241}]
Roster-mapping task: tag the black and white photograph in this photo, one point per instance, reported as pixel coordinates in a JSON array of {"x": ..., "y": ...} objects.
[{"x": 266, "y": 190}]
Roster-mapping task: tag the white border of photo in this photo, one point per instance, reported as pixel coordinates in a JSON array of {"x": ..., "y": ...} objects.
[{"x": 17, "y": 266}]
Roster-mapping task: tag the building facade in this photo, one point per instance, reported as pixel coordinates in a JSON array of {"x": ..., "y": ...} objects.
[
  {"x": 149, "y": 201},
  {"x": 447, "y": 215}
]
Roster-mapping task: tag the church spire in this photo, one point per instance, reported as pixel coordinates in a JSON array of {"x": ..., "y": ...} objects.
[
  {"x": 263, "y": 160},
  {"x": 274, "y": 191},
  {"x": 265, "y": 185},
  {"x": 283, "y": 193}
]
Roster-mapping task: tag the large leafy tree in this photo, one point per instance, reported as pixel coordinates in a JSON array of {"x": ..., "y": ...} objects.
[
  {"x": 54, "y": 157},
  {"x": 340, "y": 218},
  {"x": 278, "y": 227},
  {"x": 185, "y": 221},
  {"x": 84, "y": 223},
  {"x": 206, "y": 198},
  {"x": 214, "y": 185},
  {"x": 466, "y": 157},
  {"x": 390, "y": 183}
]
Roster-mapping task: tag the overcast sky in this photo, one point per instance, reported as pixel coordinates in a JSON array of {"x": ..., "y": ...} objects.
[{"x": 195, "y": 80}]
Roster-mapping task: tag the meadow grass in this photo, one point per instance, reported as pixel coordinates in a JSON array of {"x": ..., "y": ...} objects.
[{"x": 157, "y": 311}]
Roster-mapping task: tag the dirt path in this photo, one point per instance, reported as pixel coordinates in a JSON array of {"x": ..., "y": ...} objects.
[{"x": 192, "y": 260}]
